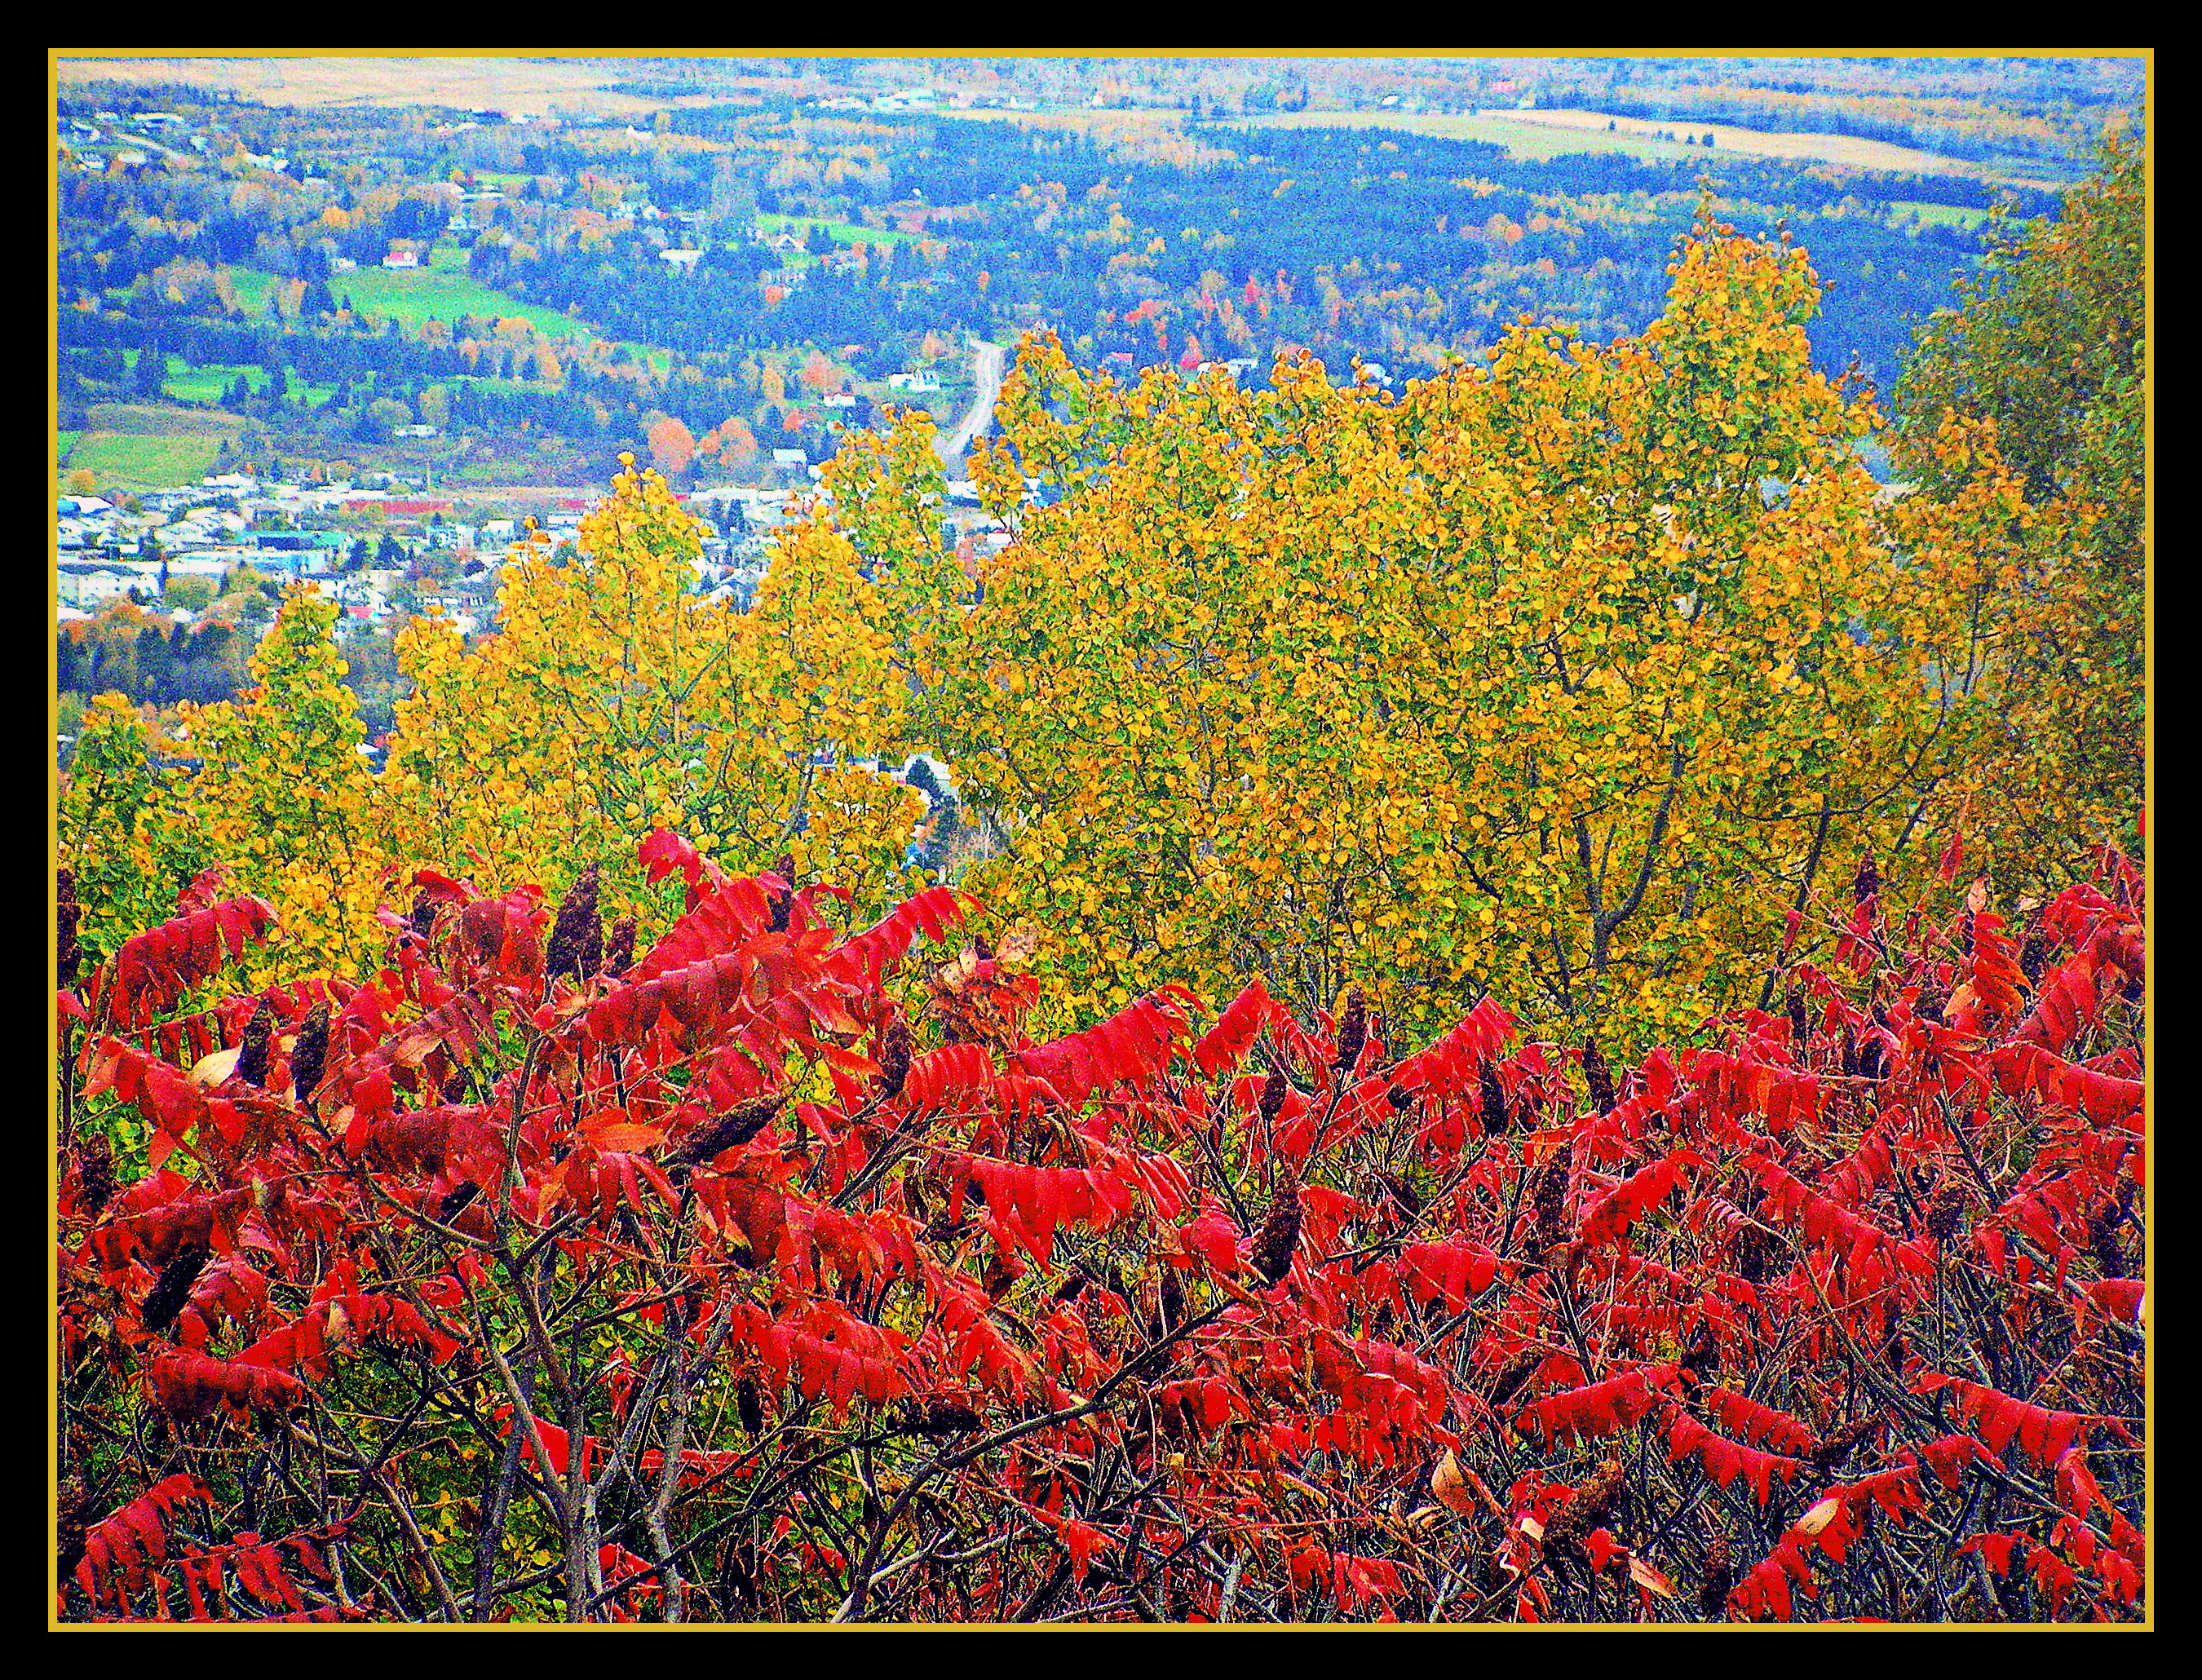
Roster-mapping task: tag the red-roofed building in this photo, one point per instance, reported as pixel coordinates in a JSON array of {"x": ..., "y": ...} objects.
[{"x": 409, "y": 508}]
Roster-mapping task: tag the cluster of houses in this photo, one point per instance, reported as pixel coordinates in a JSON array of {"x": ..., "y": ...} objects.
[
  {"x": 110, "y": 137},
  {"x": 301, "y": 533},
  {"x": 925, "y": 99}
]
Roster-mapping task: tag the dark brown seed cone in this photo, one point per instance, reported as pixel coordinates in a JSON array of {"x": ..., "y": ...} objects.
[
  {"x": 1511, "y": 1376},
  {"x": 748, "y": 1405},
  {"x": 1599, "y": 1078},
  {"x": 1352, "y": 1030},
  {"x": 2032, "y": 953},
  {"x": 1702, "y": 1359},
  {"x": 1402, "y": 1192},
  {"x": 1755, "y": 1255},
  {"x": 783, "y": 867},
  {"x": 1801, "y": 1024},
  {"x": 1173, "y": 1296},
  {"x": 894, "y": 1058},
  {"x": 1719, "y": 1578},
  {"x": 1114, "y": 1281},
  {"x": 252, "y": 1054},
  {"x": 95, "y": 1173},
  {"x": 1872, "y": 1063},
  {"x": 1273, "y": 1097},
  {"x": 75, "y": 1510},
  {"x": 619, "y": 947},
  {"x": 1867, "y": 883},
  {"x": 1553, "y": 1198},
  {"x": 1279, "y": 1236},
  {"x": 174, "y": 1288},
  {"x": 1399, "y": 1099},
  {"x": 425, "y": 908},
  {"x": 1585, "y": 1511},
  {"x": 2103, "y": 1239},
  {"x": 577, "y": 937},
  {"x": 68, "y": 958},
  {"x": 1946, "y": 1211},
  {"x": 1490, "y": 1097},
  {"x": 737, "y": 1125},
  {"x": 1071, "y": 1288},
  {"x": 1831, "y": 1450},
  {"x": 311, "y": 1054},
  {"x": 940, "y": 1416}
]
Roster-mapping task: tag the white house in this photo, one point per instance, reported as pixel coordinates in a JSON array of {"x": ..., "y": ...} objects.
[
  {"x": 88, "y": 585},
  {"x": 401, "y": 259},
  {"x": 681, "y": 260}
]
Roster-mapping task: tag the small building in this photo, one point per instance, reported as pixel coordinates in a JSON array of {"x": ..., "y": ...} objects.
[
  {"x": 88, "y": 585},
  {"x": 681, "y": 261},
  {"x": 401, "y": 259},
  {"x": 790, "y": 457}
]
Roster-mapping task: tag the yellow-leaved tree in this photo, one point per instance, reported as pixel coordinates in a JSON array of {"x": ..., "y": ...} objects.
[
  {"x": 2049, "y": 341},
  {"x": 1563, "y": 678},
  {"x": 282, "y": 797},
  {"x": 612, "y": 699}
]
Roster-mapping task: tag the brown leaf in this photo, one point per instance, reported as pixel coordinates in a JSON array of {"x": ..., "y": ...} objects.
[
  {"x": 1449, "y": 1487},
  {"x": 209, "y": 1071},
  {"x": 1818, "y": 1516}
]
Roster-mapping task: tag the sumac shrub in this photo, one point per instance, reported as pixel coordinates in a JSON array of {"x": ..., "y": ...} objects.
[{"x": 771, "y": 1274}]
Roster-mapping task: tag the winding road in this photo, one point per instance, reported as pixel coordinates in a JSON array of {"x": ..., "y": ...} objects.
[{"x": 986, "y": 375}]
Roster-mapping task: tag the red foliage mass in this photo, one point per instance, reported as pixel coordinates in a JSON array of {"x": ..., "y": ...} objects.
[{"x": 1213, "y": 1316}]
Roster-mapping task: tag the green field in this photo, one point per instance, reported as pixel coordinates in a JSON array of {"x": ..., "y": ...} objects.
[
  {"x": 444, "y": 290},
  {"x": 206, "y": 382},
  {"x": 147, "y": 445},
  {"x": 844, "y": 232},
  {"x": 135, "y": 461}
]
